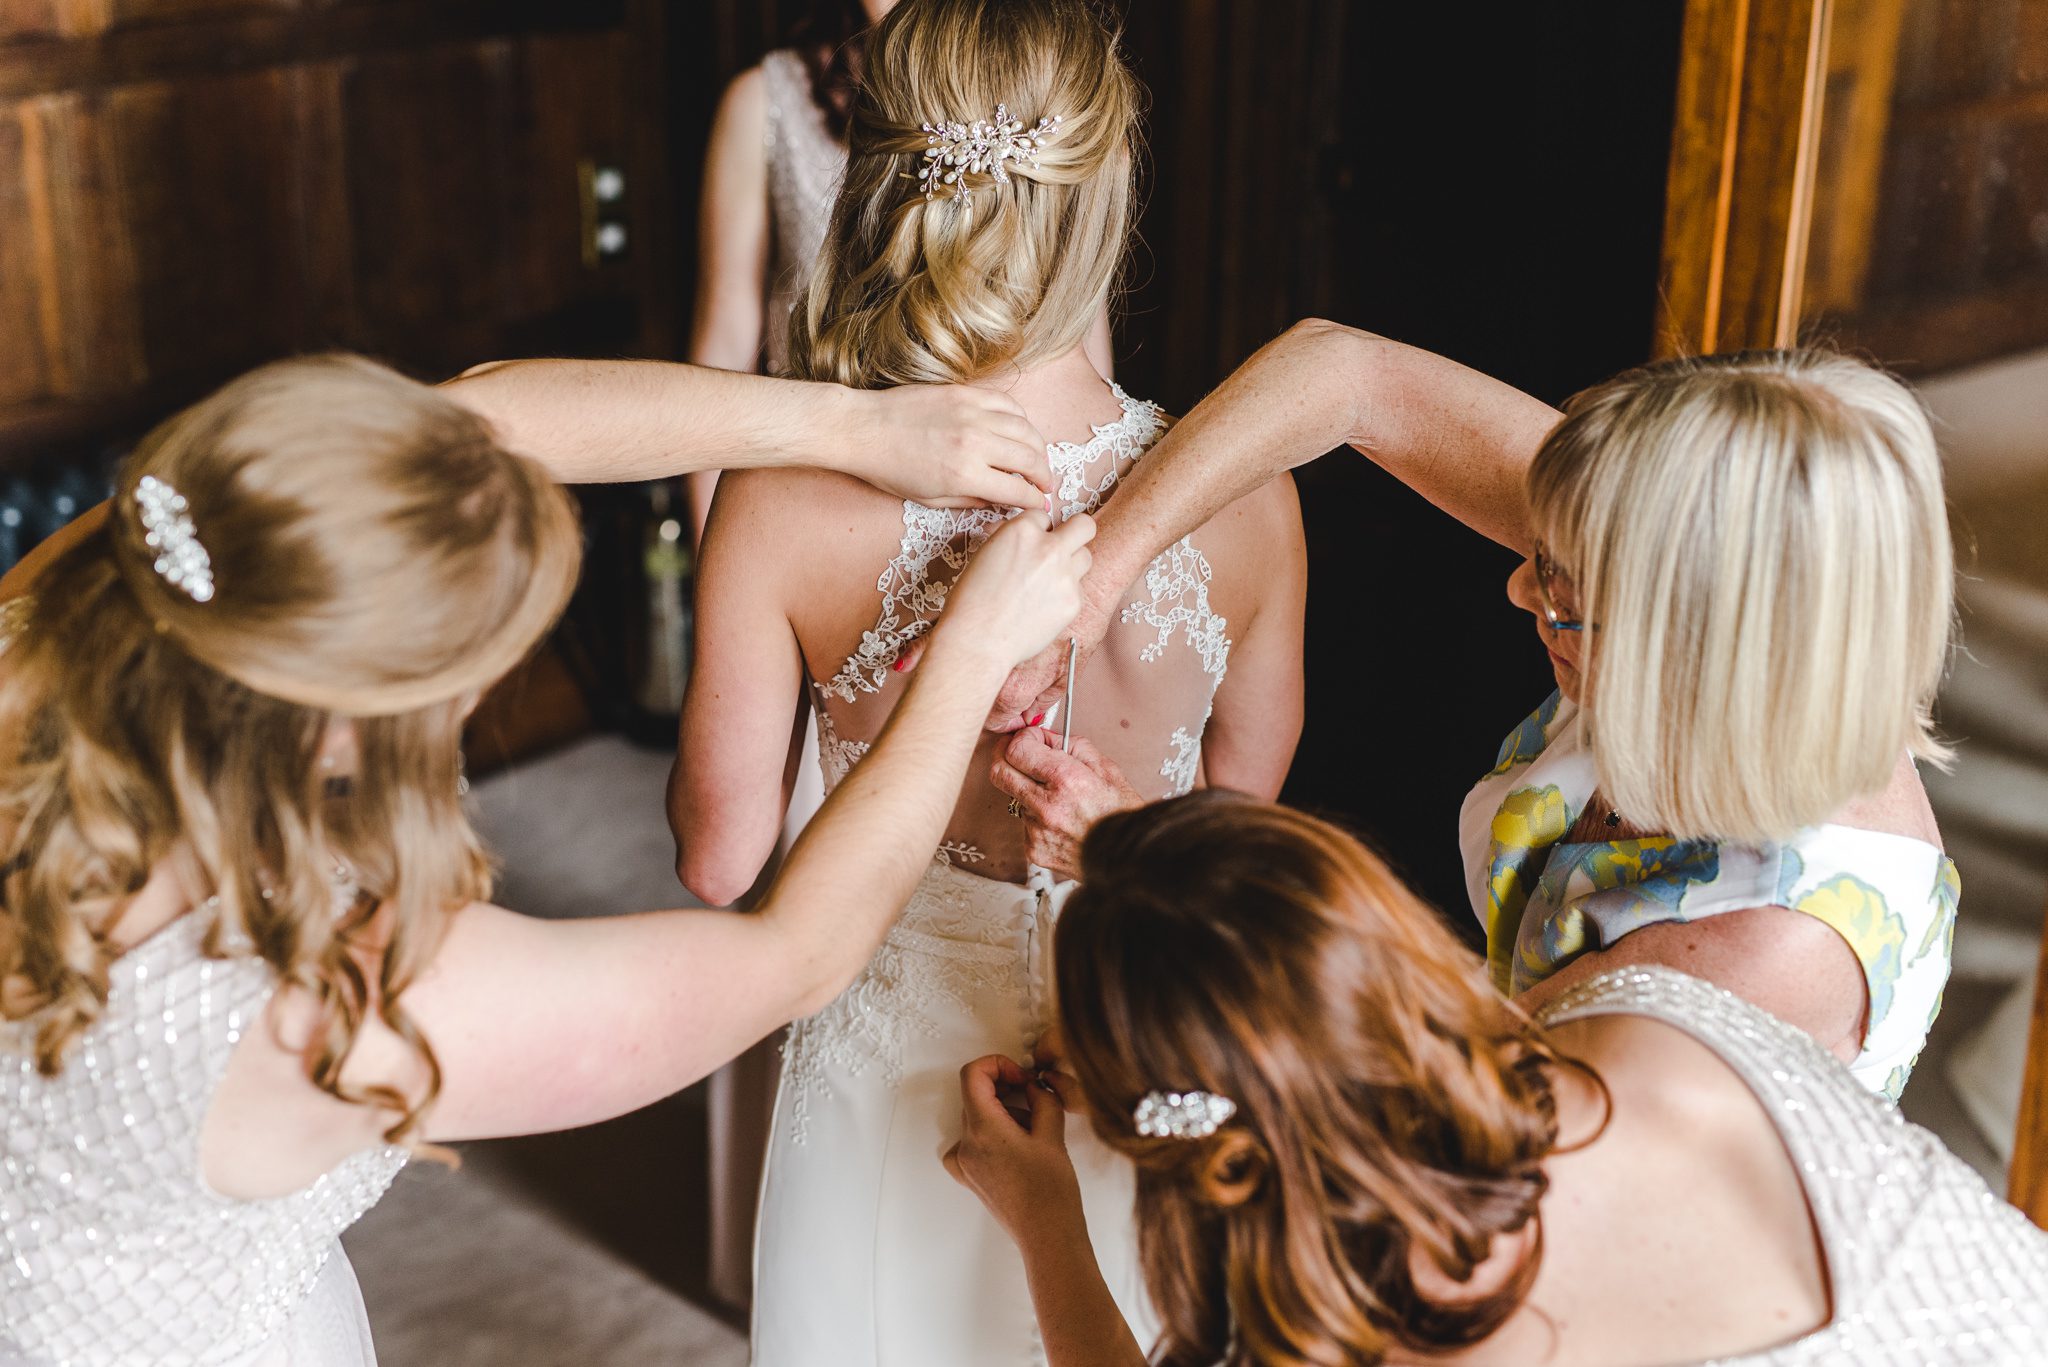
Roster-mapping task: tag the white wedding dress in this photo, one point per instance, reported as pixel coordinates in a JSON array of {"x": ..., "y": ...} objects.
[{"x": 869, "y": 1254}]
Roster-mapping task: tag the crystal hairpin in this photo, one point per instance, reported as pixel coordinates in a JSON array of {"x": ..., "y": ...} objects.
[
  {"x": 168, "y": 529},
  {"x": 959, "y": 150},
  {"x": 1182, "y": 1115}
]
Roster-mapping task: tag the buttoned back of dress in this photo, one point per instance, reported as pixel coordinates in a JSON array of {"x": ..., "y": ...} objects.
[{"x": 113, "y": 1248}]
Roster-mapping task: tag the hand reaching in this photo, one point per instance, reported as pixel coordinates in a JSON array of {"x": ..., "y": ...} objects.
[
  {"x": 1019, "y": 1168},
  {"x": 951, "y": 446},
  {"x": 1060, "y": 795},
  {"x": 1020, "y": 591}
]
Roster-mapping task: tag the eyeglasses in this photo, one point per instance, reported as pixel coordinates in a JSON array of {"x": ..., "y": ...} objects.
[{"x": 1546, "y": 571}]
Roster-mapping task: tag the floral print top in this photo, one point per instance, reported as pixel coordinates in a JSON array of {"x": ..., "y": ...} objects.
[{"x": 1543, "y": 901}]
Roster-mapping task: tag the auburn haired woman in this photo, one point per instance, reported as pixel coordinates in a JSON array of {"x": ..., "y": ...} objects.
[{"x": 1351, "y": 1150}]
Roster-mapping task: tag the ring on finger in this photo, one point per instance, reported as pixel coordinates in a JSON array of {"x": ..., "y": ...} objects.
[{"x": 1015, "y": 810}]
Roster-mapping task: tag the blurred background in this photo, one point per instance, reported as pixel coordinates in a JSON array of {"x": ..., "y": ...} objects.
[{"x": 1548, "y": 193}]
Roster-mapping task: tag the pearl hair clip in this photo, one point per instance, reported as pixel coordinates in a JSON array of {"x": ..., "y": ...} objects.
[
  {"x": 1182, "y": 1115},
  {"x": 958, "y": 150},
  {"x": 168, "y": 529}
]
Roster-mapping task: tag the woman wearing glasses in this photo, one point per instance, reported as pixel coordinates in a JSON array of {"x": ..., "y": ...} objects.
[{"x": 1740, "y": 568}]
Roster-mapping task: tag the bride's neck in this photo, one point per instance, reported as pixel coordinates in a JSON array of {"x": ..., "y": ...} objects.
[{"x": 1065, "y": 384}]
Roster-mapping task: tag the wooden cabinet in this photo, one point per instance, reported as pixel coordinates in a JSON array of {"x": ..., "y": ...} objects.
[{"x": 190, "y": 187}]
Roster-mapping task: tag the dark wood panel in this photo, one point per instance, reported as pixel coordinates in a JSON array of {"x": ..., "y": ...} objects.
[
  {"x": 2027, "y": 1184},
  {"x": 274, "y": 36},
  {"x": 122, "y": 14},
  {"x": 1959, "y": 259},
  {"x": 428, "y": 166},
  {"x": 572, "y": 113},
  {"x": 27, "y": 373},
  {"x": 205, "y": 164},
  {"x": 1741, "y": 180},
  {"x": 84, "y": 253},
  {"x": 20, "y": 19}
]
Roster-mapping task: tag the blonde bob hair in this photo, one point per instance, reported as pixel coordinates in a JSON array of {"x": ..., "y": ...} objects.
[
  {"x": 910, "y": 291},
  {"x": 1760, "y": 549},
  {"x": 378, "y": 560}
]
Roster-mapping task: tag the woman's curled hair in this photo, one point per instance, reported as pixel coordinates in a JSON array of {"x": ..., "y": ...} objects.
[
  {"x": 377, "y": 561},
  {"x": 1389, "y": 1103}
]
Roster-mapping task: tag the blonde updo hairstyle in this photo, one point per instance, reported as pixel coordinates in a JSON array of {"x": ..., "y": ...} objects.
[
  {"x": 378, "y": 560},
  {"x": 1760, "y": 547},
  {"x": 910, "y": 291}
]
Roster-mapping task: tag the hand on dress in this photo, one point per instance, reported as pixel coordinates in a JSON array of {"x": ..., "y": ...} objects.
[
  {"x": 1018, "y": 1167},
  {"x": 1039, "y": 682},
  {"x": 1059, "y": 795},
  {"x": 950, "y": 446},
  {"x": 1019, "y": 592}
]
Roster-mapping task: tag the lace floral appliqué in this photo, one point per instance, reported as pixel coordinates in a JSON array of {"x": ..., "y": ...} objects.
[{"x": 949, "y": 946}]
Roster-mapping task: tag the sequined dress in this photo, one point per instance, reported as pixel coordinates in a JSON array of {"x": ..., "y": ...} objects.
[
  {"x": 805, "y": 165},
  {"x": 1925, "y": 1264},
  {"x": 113, "y": 1248},
  {"x": 869, "y": 1255}
]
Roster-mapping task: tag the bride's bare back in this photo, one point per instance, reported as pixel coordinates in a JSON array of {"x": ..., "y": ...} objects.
[{"x": 812, "y": 585}]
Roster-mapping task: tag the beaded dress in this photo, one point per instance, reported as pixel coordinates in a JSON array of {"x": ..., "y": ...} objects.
[
  {"x": 805, "y": 165},
  {"x": 113, "y": 1248},
  {"x": 869, "y": 1254},
  {"x": 1925, "y": 1264}
]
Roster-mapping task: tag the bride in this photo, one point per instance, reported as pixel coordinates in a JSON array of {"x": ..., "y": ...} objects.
[{"x": 981, "y": 226}]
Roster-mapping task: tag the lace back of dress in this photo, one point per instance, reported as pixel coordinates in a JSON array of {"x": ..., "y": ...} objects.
[{"x": 1143, "y": 697}]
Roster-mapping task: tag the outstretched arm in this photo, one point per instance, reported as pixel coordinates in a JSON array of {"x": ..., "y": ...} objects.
[
  {"x": 544, "y": 1025},
  {"x": 1458, "y": 438},
  {"x": 597, "y": 422}
]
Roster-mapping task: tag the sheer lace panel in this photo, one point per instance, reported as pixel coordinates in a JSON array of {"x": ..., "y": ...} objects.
[{"x": 1143, "y": 698}]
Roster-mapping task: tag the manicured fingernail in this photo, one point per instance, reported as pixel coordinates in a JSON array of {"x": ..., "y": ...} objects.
[
  {"x": 1037, "y": 719},
  {"x": 901, "y": 661}
]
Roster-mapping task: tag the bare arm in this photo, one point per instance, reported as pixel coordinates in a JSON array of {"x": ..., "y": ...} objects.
[
  {"x": 725, "y": 796},
  {"x": 1255, "y": 725},
  {"x": 1023, "y": 1176},
  {"x": 1793, "y": 965},
  {"x": 545, "y": 1025},
  {"x": 1460, "y": 439},
  {"x": 732, "y": 262},
  {"x": 597, "y": 422}
]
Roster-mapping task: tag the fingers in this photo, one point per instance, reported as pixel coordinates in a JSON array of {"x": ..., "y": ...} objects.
[
  {"x": 1009, "y": 782},
  {"x": 1043, "y": 673},
  {"x": 1048, "y": 1117},
  {"x": 996, "y": 488},
  {"x": 1064, "y": 1086},
  {"x": 1074, "y": 534},
  {"x": 979, "y": 1081},
  {"x": 907, "y": 659},
  {"x": 1031, "y": 756}
]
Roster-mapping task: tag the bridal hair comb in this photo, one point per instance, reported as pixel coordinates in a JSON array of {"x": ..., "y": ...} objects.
[
  {"x": 956, "y": 151},
  {"x": 1182, "y": 1115},
  {"x": 168, "y": 529}
]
